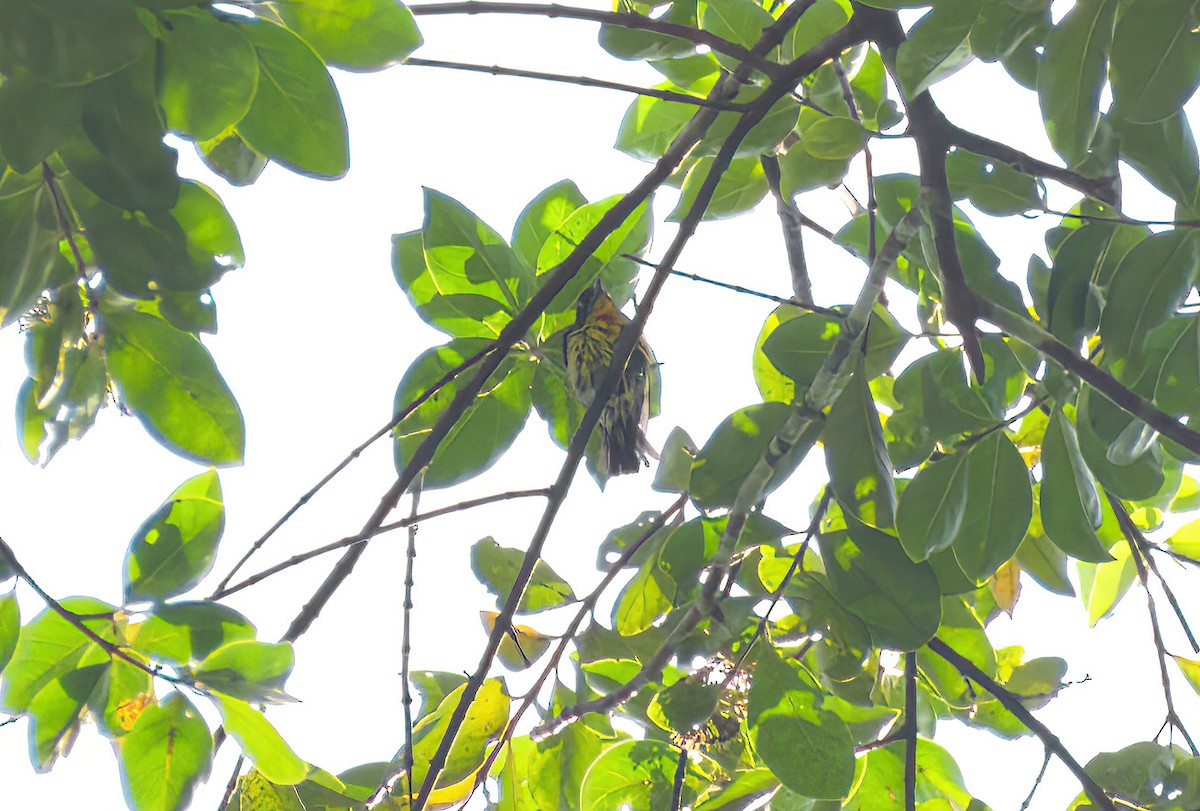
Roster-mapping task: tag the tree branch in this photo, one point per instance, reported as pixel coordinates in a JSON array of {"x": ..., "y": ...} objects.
[
  {"x": 113, "y": 650},
  {"x": 361, "y": 538},
  {"x": 1137, "y": 549},
  {"x": 625, "y": 343},
  {"x": 406, "y": 642},
  {"x": 619, "y": 19},
  {"x": 1014, "y": 705},
  {"x": 910, "y": 731},
  {"x": 1102, "y": 189},
  {"x": 582, "y": 81},
  {"x": 793, "y": 237},
  {"x": 440, "y": 384},
  {"x": 1031, "y": 334}
]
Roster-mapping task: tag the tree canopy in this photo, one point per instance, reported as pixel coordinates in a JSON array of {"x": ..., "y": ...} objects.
[{"x": 974, "y": 427}]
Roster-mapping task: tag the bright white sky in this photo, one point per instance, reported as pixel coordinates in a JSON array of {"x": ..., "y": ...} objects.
[{"x": 315, "y": 335}]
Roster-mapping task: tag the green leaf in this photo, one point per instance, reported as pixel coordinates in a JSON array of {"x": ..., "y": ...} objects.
[
  {"x": 354, "y": 34},
  {"x": 497, "y": 566},
  {"x": 650, "y": 125},
  {"x": 486, "y": 429},
  {"x": 464, "y": 255},
  {"x": 764, "y": 137},
  {"x": 937, "y": 46},
  {"x": 456, "y": 306},
  {"x": 1147, "y": 288},
  {"x": 1155, "y": 60},
  {"x": 1099, "y": 424},
  {"x": 735, "y": 448},
  {"x": 35, "y": 117},
  {"x": 1070, "y": 504},
  {"x": 1102, "y": 585},
  {"x": 1071, "y": 75},
  {"x": 210, "y": 230},
  {"x": 485, "y": 718},
  {"x": 820, "y": 20},
  {"x": 674, "y": 473},
  {"x": 632, "y": 43},
  {"x": 10, "y": 626},
  {"x": 873, "y": 577},
  {"x": 882, "y": 784},
  {"x": 210, "y": 73},
  {"x": 639, "y": 776},
  {"x": 856, "y": 455},
  {"x": 686, "y": 705},
  {"x": 833, "y": 138},
  {"x": 739, "y": 21},
  {"x": 1085, "y": 262},
  {"x": 166, "y": 755},
  {"x": 999, "y": 506},
  {"x": 170, "y": 382},
  {"x": 1165, "y": 154},
  {"x": 259, "y": 740},
  {"x": 933, "y": 506},
  {"x": 544, "y": 214},
  {"x": 1136, "y": 772},
  {"x": 70, "y": 41},
  {"x": 250, "y": 670},
  {"x": 49, "y": 647},
  {"x": 800, "y": 172},
  {"x": 230, "y": 157},
  {"x": 176, "y": 546},
  {"x": 120, "y": 155},
  {"x": 29, "y": 257},
  {"x": 631, "y": 236},
  {"x": 645, "y": 600},
  {"x": 993, "y": 187},
  {"x": 296, "y": 116},
  {"x": 182, "y": 632},
  {"x": 55, "y": 713},
  {"x": 741, "y": 187}
]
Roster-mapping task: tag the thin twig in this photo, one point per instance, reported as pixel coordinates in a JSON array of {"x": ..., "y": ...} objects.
[
  {"x": 1120, "y": 219},
  {"x": 64, "y": 218},
  {"x": 1013, "y": 704},
  {"x": 231, "y": 786},
  {"x": 793, "y": 235},
  {"x": 363, "y": 537},
  {"x": 677, "y": 787},
  {"x": 910, "y": 730},
  {"x": 582, "y": 81},
  {"x": 1166, "y": 587},
  {"x": 406, "y": 642},
  {"x": 112, "y": 649},
  {"x": 438, "y": 385},
  {"x": 852, "y": 106},
  {"x": 1041, "y": 774},
  {"x": 619, "y": 19},
  {"x": 737, "y": 288},
  {"x": 1137, "y": 546}
]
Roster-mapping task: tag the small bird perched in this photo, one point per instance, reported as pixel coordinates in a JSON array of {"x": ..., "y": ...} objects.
[{"x": 587, "y": 351}]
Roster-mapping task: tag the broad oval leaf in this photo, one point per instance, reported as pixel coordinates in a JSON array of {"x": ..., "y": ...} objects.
[
  {"x": 170, "y": 382},
  {"x": 248, "y": 669},
  {"x": 1071, "y": 74},
  {"x": 354, "y": 34},
  {"x": 497, "y": 567},
  {"x": 1155, "y": 59},
  {"x": 259, "y": 740},
  {"x": 937, "y": 46},
  {"x": 999, "y": 506},
  {"x": 1070, "y": 504},
  {"x": 210, "y": 73},
  {"x": 180, "y": 633},
  {"x": 544, "y": 215},
  {"x": 166, "y": 755},
  {"x": 70, "y": 41},
  {"x": 176, "y": 546},
  {"x": 932, "y": 507},
  {"x": 639, "y": 776},
  {"x": 296, "y": 116},
  {"x": 860, "y": 470},
  {"x": 484, "y": 431}
]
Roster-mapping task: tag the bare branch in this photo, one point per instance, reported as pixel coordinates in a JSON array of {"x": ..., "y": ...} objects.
[
  {"x": 582, "y": 81},
  {"x": 361, "y": 538},
  {"x": 1037, "y": 781},
  {"x": 1013, "y": 704},
  {"x": 622, "y": 20},
  {"x": 910, "y": 731},
  {"x": 113, "y": 650},
  {"x": 1137, "y": 549},
  {"x": 406, "y": 642},
  {"x": 793, "y": 237},
  {"x": 440, "y": 384},
  {"x": 1103, "y": 189}
]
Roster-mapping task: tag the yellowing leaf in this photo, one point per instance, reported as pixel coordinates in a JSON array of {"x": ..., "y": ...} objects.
[{"x": 1006, "y": 586}]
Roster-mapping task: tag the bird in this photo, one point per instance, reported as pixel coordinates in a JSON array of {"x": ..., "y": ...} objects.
[{"x": 587, "y": 353}]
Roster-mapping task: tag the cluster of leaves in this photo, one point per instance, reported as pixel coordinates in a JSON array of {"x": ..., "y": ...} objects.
[
  {"x": 113, "y": 252},
  {"x": 1023, "y": 469}
]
